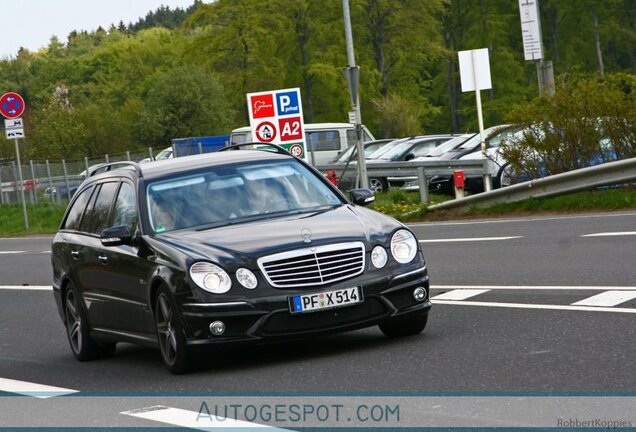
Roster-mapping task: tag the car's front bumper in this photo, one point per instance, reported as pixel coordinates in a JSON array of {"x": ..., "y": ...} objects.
[{"x": 269, "y": 318}]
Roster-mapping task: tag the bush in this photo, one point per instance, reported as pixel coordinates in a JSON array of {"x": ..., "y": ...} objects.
[{"x": 585, "y": 123}]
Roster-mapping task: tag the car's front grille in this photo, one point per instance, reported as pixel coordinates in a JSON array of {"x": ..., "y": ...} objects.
[{"x": 313, "y": 266}]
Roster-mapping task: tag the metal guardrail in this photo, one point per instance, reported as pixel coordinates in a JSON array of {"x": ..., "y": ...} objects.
[
  {"x": 610, "y": 173},
  {"x": 420, "y": 169}
]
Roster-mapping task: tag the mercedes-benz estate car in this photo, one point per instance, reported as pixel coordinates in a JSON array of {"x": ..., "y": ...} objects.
[{"x": 199, "y": 252}]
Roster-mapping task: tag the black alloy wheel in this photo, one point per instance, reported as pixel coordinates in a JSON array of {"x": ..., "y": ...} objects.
[
  {"x": 172, "y": 343},
  {"x": 84, "y": 348}
]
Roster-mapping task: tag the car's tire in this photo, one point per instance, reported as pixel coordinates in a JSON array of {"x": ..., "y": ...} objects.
[
  {"x": 404, "y": 326},
  {"x": 505, "y": 176},
  {"x": 378, "y": 184},
  {"x": 170, "y": 334},
  {"x": 83, "y": 347}
]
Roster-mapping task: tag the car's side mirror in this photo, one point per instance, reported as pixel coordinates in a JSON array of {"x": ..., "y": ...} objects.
[
  {"x": 117, "y": 235},
  {"x": 362, "y": 196},
  {"x": 409, "y": 157}
]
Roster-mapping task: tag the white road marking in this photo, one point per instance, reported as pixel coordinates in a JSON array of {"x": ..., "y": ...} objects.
[
  {"x": 537, "y": 306},
  {"x": 11, "y": 252},
  {"x": 537, "y": 287},
  {"x": 191, "y": 419},
  {"x": 461, "y": 294},
  {"x": 533, "y": 219},
  {"x": 608, "y": 298},
  {"x": 39, "y": 391},
  {"x": 27, "y": 287},
  {"x": 611, "y": 234},
  {"x": 469, "y": 239}
]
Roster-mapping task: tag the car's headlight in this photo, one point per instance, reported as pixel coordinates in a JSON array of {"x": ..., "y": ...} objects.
[
  {"x": 379, "y": 257},
  {"x": 210, "y": 277},
  {"x": 246, "y": 278},
  {"x": 403, "y": 246}
]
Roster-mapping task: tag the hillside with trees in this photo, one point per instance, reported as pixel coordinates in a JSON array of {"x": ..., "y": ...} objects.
[{"x": 178, "y": 73}]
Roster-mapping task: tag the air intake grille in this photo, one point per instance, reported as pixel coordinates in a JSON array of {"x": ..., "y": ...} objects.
[{"x": 313, "y": 266}]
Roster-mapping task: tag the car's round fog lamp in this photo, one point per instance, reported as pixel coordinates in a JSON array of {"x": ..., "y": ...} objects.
[
  {"x": 419, "y": 294},
  {"x": 379, "y": 257},
  {"x": 217, "y": 328},
  {"x": 246, "y": 278}
]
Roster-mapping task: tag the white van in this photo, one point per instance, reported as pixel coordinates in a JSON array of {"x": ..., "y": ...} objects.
[{"x": 325, "y": 141}]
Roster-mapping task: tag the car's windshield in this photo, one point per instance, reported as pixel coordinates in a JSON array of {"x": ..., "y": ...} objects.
[
  {"x": 475, "y": 141},
  {"x": 230, "y": 194},
  {"x": 386, "y": 148},
  {"x": 448, "y": 146},
  {"x": 344, "y": 157}
]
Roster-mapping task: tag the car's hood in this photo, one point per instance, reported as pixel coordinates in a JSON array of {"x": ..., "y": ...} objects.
[{"x": 264, "y": 237}]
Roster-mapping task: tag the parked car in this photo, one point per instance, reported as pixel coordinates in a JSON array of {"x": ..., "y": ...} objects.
[
  {"x": 404, "y": 151},
  {"x": 351, "y": 154},
  {"x": 229, "y": 247},
  {"x": 444, "y": 184}
]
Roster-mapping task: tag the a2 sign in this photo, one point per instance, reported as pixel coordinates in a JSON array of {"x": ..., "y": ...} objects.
[{"x": 276, "y": 117}]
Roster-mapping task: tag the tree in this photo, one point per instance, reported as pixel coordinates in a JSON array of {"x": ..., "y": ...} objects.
[{"x": 184, "y": 101}]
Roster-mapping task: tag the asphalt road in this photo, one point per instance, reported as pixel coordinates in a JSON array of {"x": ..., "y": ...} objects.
[{"x": 527, "y": 305}]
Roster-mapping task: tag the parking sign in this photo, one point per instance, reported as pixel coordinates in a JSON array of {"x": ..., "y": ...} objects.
[{"x": 276, "y": 117}]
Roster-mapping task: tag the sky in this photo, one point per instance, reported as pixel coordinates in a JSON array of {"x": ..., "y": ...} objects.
[{"x": 31, "y": 23}]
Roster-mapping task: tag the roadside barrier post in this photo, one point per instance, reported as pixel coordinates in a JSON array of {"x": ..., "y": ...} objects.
[
  {"x": 423, "y": 184},
  {"x": 459, "y": 181}
]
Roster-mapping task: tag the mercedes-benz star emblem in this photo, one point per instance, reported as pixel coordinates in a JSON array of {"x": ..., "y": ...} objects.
[{"x": 305, "y": 233}]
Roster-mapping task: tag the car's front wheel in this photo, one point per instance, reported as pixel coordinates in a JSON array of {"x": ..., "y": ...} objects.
[
  {"x": 399, "y": 327},
  {"x": 172, "y": 341}
]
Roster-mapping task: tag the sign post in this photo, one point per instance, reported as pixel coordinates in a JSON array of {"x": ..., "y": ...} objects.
[
  {"x": 533, "y": 45},
  {"x": 12, "y": 107},
  {"x": 474, "y": 71},
  {"x": 276, "y": 117}
]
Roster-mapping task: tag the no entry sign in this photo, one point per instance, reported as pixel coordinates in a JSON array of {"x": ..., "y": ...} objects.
[{"x": 11, "y": 105}]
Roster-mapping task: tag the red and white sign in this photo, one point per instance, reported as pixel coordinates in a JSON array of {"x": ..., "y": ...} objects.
[
  {"x": 266, "y": 132},
  {"x": 297, "y": 150},
  {"x": 11, "y": 105},
  {"x": 276, "y": 117}
]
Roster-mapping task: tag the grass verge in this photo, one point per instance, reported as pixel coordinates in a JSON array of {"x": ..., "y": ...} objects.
[{"x": 44, "y": 218}]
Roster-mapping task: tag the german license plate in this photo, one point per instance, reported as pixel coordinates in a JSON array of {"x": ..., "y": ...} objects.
[{"x": 325, "y": 300}]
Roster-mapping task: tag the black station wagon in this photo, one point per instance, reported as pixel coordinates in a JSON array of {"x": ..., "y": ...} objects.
[{"x": 229, "y": 247}]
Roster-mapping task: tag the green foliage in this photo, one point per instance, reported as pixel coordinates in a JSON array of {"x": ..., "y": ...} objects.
[
  {"x": 44, "y": 218},
  {"x": 184, "y": 101},
  {"x": 586, "y": 122},
  {"x": 119, "y": 87}
]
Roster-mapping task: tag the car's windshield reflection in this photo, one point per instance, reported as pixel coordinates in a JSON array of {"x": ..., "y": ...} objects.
[{"x": 228, "y": 195}]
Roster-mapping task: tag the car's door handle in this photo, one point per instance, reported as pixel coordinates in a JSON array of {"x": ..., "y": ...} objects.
[
  {"x": 103, "y": 259},
  {"x": 75, "y": 254}
]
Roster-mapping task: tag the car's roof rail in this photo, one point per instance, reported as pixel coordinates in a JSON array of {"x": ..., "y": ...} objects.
[
  {"x": 115, "y": 165},
  {"x": 279, "y": 149}
]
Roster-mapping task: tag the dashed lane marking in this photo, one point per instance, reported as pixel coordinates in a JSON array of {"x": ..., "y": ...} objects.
[
  {"x": 39, "y": 391},
  {"x": 11, "y": 252},
  {"x": 535, "y": 287},
  {"x": 608, "y": 298},
  {"x": 536, "y": 306},
  {"x": 27, "y": 287},
  {"x": 469, "y": 239},
  {"x": 462, "y": 294},
  {"x": 191, "y": 419},
  {"x": 611, "y": 234}
]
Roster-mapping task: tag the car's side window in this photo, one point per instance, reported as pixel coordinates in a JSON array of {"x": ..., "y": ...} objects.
[
  {"x": 101, "y": 209},
  {"x": 75, "y": 213},
  {"x": 323, "y": 140},
  {"x": 125, "y": 211}
]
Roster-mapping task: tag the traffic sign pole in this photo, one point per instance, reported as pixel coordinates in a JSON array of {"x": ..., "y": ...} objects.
[{"x": 24, "y": 209}]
